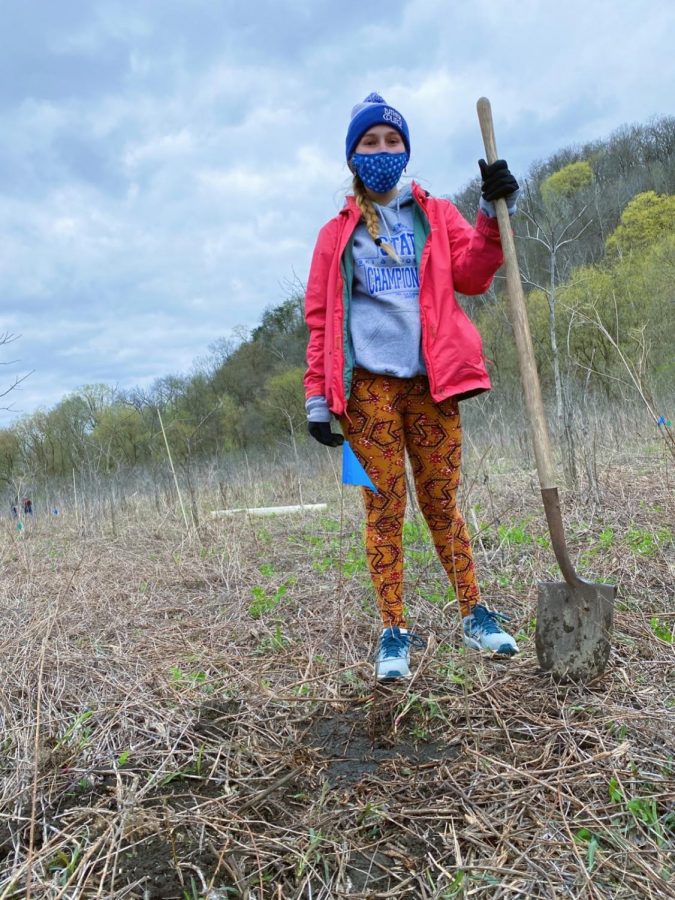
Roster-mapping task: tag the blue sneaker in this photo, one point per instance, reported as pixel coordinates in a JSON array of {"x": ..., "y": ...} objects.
[
  {"x": 393, "y": 656},
  {"x": 482, "y": 632}
]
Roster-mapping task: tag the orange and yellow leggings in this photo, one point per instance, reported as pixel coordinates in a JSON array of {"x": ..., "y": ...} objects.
[{"x": 387, "y": 416}]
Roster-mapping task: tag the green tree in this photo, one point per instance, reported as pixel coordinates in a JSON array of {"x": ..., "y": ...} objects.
[
  {"x": 618, "y": 317},
  {"x": 232, "y": 418},
  {"x": 648, "y": 218},
  {"x": 566, "y": 181},
  {"x": 122, "y": 435},
  {"x": 10, "y": 454},
  {"x": 284, "y": 400}
]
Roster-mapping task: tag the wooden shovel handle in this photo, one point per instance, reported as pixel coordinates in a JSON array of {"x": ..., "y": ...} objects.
[
  {"x": 528, "y": 369},
  {"x": 521, "y": 328}
]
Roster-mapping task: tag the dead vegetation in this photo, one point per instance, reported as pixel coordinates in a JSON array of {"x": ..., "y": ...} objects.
[{"x": 191, "y": 714}]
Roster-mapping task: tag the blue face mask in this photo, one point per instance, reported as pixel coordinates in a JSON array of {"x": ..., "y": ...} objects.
[{"x": 380, "y": 172}]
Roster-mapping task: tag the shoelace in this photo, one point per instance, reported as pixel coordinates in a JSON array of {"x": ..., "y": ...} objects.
[
  {"x": 487, "y": 619},
  {"x": 394, "y": 641}
]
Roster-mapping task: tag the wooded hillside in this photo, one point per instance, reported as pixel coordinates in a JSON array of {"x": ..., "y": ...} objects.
[{"x": 596, "y": 240}]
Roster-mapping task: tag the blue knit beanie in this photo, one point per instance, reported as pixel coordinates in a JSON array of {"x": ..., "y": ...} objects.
[{"x": 374, "y": 111}]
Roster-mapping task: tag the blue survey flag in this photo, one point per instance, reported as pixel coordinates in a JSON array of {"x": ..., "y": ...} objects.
[{"x": 352, "y": 470}]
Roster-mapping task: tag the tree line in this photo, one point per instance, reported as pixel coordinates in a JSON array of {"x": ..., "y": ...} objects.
[{"x": 596, "y": 243}]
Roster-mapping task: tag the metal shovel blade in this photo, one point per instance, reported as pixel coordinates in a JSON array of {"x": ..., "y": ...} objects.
[{"x": 573, "y": 631}]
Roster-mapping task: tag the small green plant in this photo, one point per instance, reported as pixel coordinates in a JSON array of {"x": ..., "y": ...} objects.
[
  {"x": 662, "y": 630},
  {"x": 420, "y": 731},
  {"x": 275, "y": 642},
  {"x": 586, "y": 837},
  {"x": 423, "y": 557},
  {"x": 123, "y": 758},
  {"x": 441, "y": 597},
  {"x": 65, "y": 861},
  {"x": 194, "y": 768},
  {"x": 266, "y": 569},
  {"x": 83, "y": 786},
  {"x": 195, "y": 679},
  {"x": 263, "y": 536},
  {"x": 264, "y": 602},
  {"x": 606, "y": 538},
  {"x": 193, "y": 893},
  {"x": 614, "y": 791},
  {"x": 454, "y": 889},
  {"x": 370, "y": 815},
  {"x": 643, "y": 810},
  {"x": 355, "y": 561},
  {"x": 424, "y": 710},
  {"x": 329, "y": 524},
  {"x": 618, "y": 730},
  {"x": 415, "y": 531},
  {"x": 199, "y": 760},
  {"x": 452, "y": 672},
  {"x": 83, "y": 734},
  {"x": 527, "y": 629},
  {"x": 648, "y": 543},
  {"x": 513, "y": 534},
  {"x": 171, "y": 776},
  {"x": 311, "y": 854}
]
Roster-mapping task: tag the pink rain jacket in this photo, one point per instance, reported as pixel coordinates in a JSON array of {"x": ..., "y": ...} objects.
[{"x": 452, "y": 255}]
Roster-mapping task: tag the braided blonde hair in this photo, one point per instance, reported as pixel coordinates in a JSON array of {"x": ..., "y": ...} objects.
[{"x": 371, "y": 218}]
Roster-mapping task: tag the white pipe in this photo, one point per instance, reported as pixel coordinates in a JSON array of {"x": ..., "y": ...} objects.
[{"x": 269, "y": 510}]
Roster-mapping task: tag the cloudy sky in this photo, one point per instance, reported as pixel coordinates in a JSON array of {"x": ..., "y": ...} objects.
[{"x": 165, "y": 164}]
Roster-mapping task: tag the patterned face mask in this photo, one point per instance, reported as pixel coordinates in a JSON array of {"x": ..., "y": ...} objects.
[{"x": 380, "y": 172}]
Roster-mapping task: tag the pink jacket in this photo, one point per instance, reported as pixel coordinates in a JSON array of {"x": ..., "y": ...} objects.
[{"x": 452, "y": 255}]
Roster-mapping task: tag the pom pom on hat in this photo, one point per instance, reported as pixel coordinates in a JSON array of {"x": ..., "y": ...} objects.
[{"x": 374, "y": 111}]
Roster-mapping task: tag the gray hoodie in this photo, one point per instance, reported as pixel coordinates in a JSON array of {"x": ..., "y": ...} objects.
[{"x": 384, "y": 315}]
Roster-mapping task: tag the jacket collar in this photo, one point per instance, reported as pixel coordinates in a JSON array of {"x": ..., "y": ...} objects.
[{"x": 351, "y": 207}]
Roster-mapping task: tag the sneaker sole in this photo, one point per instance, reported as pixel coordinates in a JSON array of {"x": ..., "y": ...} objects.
[
  {"x": 392, "y": 676},
  {"x": 504, "y": 650}
]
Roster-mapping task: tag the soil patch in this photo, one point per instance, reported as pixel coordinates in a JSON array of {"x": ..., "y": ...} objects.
[{"x": 358, "y": 742}]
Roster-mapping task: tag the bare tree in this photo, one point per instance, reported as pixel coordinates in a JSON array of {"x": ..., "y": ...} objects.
[
  {"x": 7, "y": 338},
  {"x": 553, "y": 224}
]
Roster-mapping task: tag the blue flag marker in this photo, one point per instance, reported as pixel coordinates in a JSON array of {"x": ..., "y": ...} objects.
[{"x": 352, "y": 470}]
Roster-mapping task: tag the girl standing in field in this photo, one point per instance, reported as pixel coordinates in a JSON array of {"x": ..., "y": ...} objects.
[{"x": 391, "y": 354}]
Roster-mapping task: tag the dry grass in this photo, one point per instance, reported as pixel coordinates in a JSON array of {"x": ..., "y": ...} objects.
[{"x": 193, "y": 714}]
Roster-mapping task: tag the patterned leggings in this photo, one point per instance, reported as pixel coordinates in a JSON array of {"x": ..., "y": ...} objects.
[{"x": 386, "y": 417}]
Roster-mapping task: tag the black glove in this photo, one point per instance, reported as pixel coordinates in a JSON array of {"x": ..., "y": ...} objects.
[
  {"x": 321, "y": 432},
  {"x": 497, "y": 180}
]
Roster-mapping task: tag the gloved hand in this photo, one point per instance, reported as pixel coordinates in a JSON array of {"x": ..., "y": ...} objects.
[
  {"x": 497, "y": 180},
  {"x": 321, "y": 432}
]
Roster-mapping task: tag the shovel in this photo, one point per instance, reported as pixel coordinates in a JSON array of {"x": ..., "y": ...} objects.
[{"x": 574, "y": 616}]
